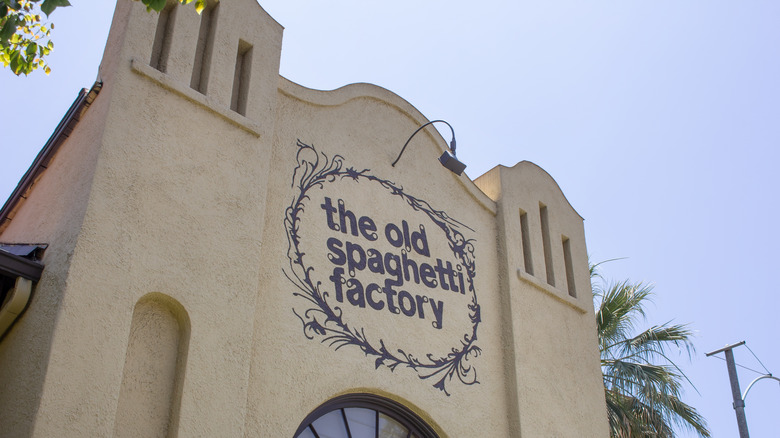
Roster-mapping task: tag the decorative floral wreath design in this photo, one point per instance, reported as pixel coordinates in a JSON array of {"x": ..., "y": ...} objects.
[{"x": 322, "y": 320}]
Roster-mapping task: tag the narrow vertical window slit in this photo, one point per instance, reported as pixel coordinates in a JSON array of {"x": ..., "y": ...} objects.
[
  {"x": 525, "y": 238},
  {"x": 569, "y": 268},
  {"x": 548, "y": 260},
  {"x": 204, "y": 48},
  {"x": 241, "y": 78},
  {"x": 162, "y": 37}
]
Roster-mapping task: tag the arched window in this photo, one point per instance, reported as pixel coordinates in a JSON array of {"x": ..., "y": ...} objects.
[{"x": 363, "y": 416}]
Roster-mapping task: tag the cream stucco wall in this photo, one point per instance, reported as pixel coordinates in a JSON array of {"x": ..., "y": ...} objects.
[
  {"x": 52, "y": 213},
  {"x": 554, "y": 334},
  {"x": 172, "y": 195}
]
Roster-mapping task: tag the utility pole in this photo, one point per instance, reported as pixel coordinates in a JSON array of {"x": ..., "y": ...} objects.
[{"x": 739, "y": 403}]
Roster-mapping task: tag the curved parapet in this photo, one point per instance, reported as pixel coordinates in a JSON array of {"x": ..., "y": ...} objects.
[
  {"x": 542, "y": 243},
  {"x": 381, "y": 96},
  {"x": 550, "y": 251},
  {"x": 490, "y": 184}
]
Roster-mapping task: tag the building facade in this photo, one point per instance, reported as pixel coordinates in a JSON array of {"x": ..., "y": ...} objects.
[{"x": 222, "y": 252}]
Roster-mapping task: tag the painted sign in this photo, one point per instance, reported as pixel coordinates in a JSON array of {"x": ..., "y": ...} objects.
[{"x": 381, "y": 270}]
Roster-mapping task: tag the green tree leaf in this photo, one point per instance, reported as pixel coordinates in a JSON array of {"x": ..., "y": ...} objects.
[
  {"x": 48, "y": 6},
  {"x": 15, "y": 62},
  {"x": 157, "y": 5},
  {"x": 9, "y": 28},
  {"x": 22, "y": 33}
]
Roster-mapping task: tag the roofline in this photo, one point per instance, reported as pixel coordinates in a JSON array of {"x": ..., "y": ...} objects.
[{"x": 61, "y": 133}]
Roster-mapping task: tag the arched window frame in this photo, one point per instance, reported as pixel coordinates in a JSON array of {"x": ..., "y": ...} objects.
[{"x": 391, "y": 408}]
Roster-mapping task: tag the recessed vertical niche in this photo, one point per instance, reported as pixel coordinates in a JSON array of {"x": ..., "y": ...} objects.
[
  {"x": 150, "y": 395},
  {"x": 205, "y": 47},
  {"x": 163, "y": 36},
  {"x": 525, "y": 239},
  {"x": 241, "y": 78},
  {"x": 548, "y": 260},
  {"x": 569, "y": 267}
]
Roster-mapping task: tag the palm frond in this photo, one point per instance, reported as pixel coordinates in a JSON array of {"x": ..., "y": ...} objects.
[
  {"x": 619, "y": 308},
  {"x": 633, "y": 378},
  {"x": 642, "y": 384},
  {"x": 659, "y": 338}
]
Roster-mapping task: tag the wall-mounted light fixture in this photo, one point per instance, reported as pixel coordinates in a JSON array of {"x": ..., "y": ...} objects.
[{"x": 447, "y": 159}]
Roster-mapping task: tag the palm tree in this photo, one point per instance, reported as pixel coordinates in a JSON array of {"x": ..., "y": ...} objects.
[{"x": 641, "y": 382}]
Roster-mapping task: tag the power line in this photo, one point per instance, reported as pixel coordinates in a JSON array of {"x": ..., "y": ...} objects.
[
  {"x": 759, "y": 360},
  {"x": 742, "y": 366}
]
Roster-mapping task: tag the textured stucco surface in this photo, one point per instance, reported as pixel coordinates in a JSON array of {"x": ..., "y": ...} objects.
[
  {"x": 154, "y": 368},
  {"x": 168, "y": 256},
  {"x": 53, "y": 213},
  {"x": 316, "y": 372}
]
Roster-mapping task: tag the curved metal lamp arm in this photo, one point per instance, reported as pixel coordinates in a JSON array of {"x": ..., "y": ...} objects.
[
  {"x": 452, "y": 143},
  {"x": 765, "y": 376}
]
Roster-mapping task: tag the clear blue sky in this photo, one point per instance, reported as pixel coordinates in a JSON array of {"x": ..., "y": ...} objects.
[{"x": 660, "y": 121}]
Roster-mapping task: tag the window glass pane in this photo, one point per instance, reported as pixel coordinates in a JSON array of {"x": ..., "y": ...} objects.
[
  {"x": 331, "y": 425},
  {"x": 363, "y": 416},
  {"x": 362, "y": 422},
  {"x": 306, "y": 434},
  {"x": 389, "y": 428}
]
